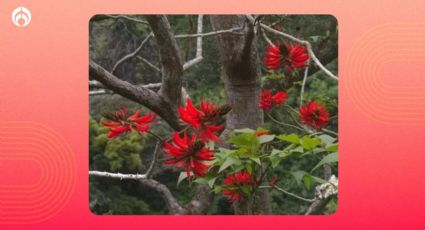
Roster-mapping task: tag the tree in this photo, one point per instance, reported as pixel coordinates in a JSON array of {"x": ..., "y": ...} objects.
[{"x": 237, "y": 37}]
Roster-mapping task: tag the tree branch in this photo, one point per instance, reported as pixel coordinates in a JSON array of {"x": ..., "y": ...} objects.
[
  {"x": 118, "y": 175},
  {"x": 154, "y": 160},
  {"x": 198, "y": 57},
  {"x": 100, "y": 17},
  {"x": 132, "y": 54},
  {"x": 323, "y": 195},
  {"x": 149, "y": 64},
  {"x": 173, "y": 206},
  {"x": 172, "y": 67},
  {"x": 303, "y": 86},
  {"x": 142, "y": 95},
  {"x": 289, "y": 193},
  {"x": 212, "y": 33}
]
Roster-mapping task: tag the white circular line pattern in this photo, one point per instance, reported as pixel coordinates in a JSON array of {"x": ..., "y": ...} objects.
[{"x": 21, "y": 16}]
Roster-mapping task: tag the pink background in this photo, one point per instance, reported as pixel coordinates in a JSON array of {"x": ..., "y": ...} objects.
[{"x": 44, "y": 114}]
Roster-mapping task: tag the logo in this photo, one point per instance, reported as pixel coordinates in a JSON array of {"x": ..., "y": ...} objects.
[{"x": 21, "y": 16}]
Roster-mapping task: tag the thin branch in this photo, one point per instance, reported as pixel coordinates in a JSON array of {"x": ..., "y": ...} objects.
[
  {"x": 118, "y": 175},
  {"x": 303, "y": 86},
  {"x": 308, "y": 46},
  {"x": 97, "y": 92},
  {"x": 127, "y": 18},
  {"x": 285, "y": 124},
  {"x": 198, "y": 57},
  {"x": 289, "y": 193},
  {"x": 154, "y": 160},
  {"x": 149, "y": 64},
  {"x": 132, "y": 54},
  {"x": 330, "y": 132},
  {"x": 173, "y": 206},
  {"x": 212, "y": 33},
  {"x": 142, "y": 95}
]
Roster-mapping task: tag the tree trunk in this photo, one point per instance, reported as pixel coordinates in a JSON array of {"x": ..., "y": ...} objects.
[{"x": 241, "y": 76}]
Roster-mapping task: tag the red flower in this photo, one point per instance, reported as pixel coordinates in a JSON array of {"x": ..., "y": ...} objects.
[
  {"x": 188, "y": 153},
  {"x": 292, "y": 55},
  {"x": 267, "y": 100},
  {"x": 209, "y": 132},
  {"x": 314, "y": 115},
  {"x": 297, "y": 56},
  {"x": 190, "y": 114},
  {"x": 233, "y": 184},
  {"x": 120, "y": 124},
  {"x": 274, "y": 57},
  {"x": 201, "y": 119}
]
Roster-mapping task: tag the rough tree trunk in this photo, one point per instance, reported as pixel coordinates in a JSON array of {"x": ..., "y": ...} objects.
[{"x": 241, "y": 76}]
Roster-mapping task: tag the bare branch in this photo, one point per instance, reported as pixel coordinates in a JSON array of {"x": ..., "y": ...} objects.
[
  {"x": 97, "y": 92},
  {"x": 323, "y": 195},
  {"x": 149, "y": 64},
  {"x": 172, "y": 67},
  {"x": 172, "y": 204},
  {"x": 308, "y": 46},
  {"x": 212, "y": 33},
  {"x": 118, "y": 175},
  {"x": 198, "y": 57},
  {"x": 289, "y": 193},
  {"x": 108, "y": 16},
  {"x": 142, "y": 95},
  {"x": 154, "y": 160},
  {"x": 132, "y": 54},
  {"x": 303, "y": 86}
]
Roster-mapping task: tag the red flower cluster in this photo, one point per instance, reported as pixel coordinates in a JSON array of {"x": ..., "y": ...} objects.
[
  {"x": 202, "y": 119},
  {"x": 267, "y": 100},
  {"x": 120, "y": 123},
  {"x": 314, "y": 115},
  {"x": 188, "y": 153},
  {"x": 233, "y": 184},
  {"x": 292, "y": 55}
]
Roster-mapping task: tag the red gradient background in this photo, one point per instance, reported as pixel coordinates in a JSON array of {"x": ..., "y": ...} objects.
[{"x": 44, "y": 115}]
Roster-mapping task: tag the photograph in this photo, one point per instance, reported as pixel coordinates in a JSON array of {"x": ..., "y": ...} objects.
[{"x": 213, "y": 114}]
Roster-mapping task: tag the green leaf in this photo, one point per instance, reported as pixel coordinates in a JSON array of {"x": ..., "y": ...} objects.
[
  {"x": 182, "y": 176},
  {"x": 291, "y": 138},
  {"x": 332, "y": 148},
  {"x": 256, "y": 160},
  {"x": 330, "y": 158},
  {"x": 319, "y": 180},
  {"x": 298, "y": 149},
  {"x": 275, "y": 160},
  {"x": 308, "y": 181},
  {"x": 245, "y": 130},
  {"x": 217, "y": 189},
  {"x": 309, "y": 143},
  {"x": 211, "y": 182},
  {"x": 265, "y": 138},
  {"x": 327, "y": 139},
  {"x": 201, "y": 180},
  {"x": 228, "y": 162},
  {"x": 298, "y": 175},
  {"x": 275, "y": 152},
  {"x": 248, "y": 140}
]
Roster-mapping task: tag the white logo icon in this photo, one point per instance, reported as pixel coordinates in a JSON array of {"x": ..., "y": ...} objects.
[{"x": 21, "y": 16}]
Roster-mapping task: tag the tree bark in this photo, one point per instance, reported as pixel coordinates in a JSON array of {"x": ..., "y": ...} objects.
[{"x": 241, "y": 76}]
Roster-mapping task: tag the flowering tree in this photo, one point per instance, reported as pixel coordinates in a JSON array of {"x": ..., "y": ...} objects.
[{"x": 224, "y": 149}]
